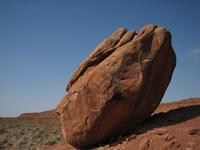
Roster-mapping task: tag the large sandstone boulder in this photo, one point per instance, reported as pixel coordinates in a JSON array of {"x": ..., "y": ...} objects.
[{"x": 119, "y": 85}]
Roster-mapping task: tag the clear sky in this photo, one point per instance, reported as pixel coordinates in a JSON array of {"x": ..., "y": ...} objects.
[{"x": 43, "y": 42}]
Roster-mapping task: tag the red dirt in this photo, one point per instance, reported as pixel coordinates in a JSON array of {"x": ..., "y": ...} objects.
[{"x": 172, "y": 126}]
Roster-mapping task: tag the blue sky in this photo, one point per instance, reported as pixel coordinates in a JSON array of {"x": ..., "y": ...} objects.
[{"x": 43, "y": 42}]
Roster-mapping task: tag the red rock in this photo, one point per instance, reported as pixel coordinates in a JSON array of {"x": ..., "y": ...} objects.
[
  {"x": 118, "y": 86},
  {"x": 132, "y": 136},
  {"x": 144, "y": 144},
  {"x": 161, "y": 131},
  {"x": 193, "y": 131},
  {"x": 169, "y": 138}
]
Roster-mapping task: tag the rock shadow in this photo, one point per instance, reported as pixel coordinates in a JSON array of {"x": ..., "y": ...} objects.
[
  {"x": 171, "y": 117},
  {"x": 158, "y": 120}
]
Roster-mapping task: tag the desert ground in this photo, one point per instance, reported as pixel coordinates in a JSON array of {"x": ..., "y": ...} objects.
[{"x": 174, "y": 125}]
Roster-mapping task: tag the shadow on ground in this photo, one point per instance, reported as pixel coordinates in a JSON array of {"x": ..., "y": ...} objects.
[
  {"x": 172, "y": 117},
  {"x": 161, "y": 119}
]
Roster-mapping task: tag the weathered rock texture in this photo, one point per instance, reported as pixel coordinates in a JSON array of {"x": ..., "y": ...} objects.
[{"x": 119, "y": 85}]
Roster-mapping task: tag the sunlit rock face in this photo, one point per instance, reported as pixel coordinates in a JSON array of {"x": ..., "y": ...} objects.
[{"x": 119, "y": 85}]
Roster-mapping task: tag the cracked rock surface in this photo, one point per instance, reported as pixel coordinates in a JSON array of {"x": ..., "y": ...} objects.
[{"x": 118, "y": 86}]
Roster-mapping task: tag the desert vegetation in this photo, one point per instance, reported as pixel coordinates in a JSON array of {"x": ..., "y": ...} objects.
[{"x": 23, "y": 134}]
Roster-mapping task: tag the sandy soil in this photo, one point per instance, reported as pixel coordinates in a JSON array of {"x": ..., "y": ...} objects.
[{"x": 173, "y": 126}]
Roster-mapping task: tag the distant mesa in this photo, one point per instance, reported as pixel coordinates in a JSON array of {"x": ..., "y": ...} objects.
[
  {"x": 118, "y": 86},
  {"x": 50, "y": 114}
]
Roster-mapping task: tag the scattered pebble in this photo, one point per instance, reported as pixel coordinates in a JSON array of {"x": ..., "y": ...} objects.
[
  {"x": 152, "y": 132},
  {"x": 172, "y": 143},
  {"x": 168, "y": 137},
  {"x": 193, "y": 131},
  {"x": 101, "y": 148},
  {"x": 132, "y": 136},
  {"x": 144, "y": 144},
  {"x": 160, "y": 131},
  {"x": 122, "y": 148},
  {"x": 119, "y": 148},
  {"x": 106, "y": 146}
]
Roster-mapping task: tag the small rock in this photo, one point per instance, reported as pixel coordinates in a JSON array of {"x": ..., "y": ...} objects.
[
  {"x": 152, "y": 132},
  {"x": 193, "y": 131},
  {"x": 144, "y": 144},
  {"x": 132, "y": 136},
  {"x": 172, "y": 143},
  {"x": 125, "y": 141},
  {"x": 168, "y": 137},
  {"x": 161, "y": 131},
  {"x": 106, "y": 146},
  {"x": 101, "y": 148},
  {"x": 122, "y": 148}
]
